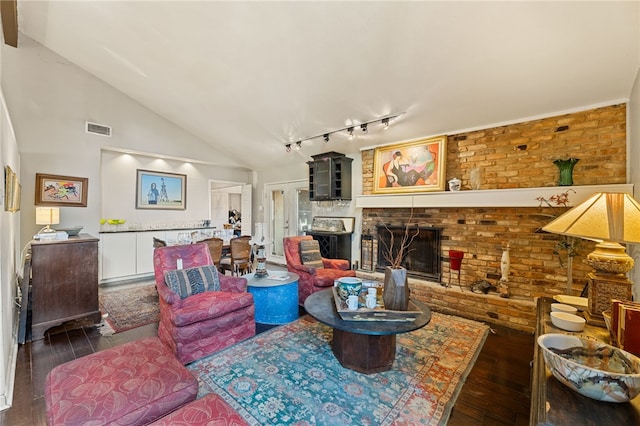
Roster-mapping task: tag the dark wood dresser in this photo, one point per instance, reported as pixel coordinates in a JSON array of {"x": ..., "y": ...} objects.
[
  {"x": 553, "y": 403},
  {"x": 64, "y": 282}
]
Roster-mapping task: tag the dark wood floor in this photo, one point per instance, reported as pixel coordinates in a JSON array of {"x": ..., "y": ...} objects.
[{"x": 497, "y": 391}]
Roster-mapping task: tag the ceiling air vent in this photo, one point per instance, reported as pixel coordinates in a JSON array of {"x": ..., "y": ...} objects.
[{"x": 97, "y": 129}]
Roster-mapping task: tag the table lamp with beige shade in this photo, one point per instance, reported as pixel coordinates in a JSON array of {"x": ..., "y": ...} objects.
[
  {"x": 47, "y": 216},
  {"x": 609, "y": 219}
]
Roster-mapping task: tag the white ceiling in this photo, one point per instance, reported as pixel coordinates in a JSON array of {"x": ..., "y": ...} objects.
[{"x": 249, "y": 77}]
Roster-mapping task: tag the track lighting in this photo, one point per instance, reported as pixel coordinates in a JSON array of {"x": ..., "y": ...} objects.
[{"x": 363, "y": 126}]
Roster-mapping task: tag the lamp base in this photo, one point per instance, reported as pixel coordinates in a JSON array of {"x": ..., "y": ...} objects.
[
  {"x": 603, "y": 288},
  {"x": 610, "y": 258}
]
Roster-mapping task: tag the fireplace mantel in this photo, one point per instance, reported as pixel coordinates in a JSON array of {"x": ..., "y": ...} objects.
[{"x": 520, "y": 197}]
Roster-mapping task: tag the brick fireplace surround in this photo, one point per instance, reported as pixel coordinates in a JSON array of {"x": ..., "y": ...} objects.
[{"x": 513, "y": 156}]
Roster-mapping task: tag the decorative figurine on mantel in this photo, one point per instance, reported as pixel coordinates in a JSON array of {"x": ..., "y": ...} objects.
[{"x": 505, "y": 265}]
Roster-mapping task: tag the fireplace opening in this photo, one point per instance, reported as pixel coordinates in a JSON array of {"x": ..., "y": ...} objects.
[{"x": 422, "y": 259}]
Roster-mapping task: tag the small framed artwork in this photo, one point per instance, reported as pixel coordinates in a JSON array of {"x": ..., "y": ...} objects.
[
  {"x": 161, "y": 191},
  {"x": 417, "y": 166},
  {"x": 10, "y": 187},
  {"x": 55, "y": 190}
]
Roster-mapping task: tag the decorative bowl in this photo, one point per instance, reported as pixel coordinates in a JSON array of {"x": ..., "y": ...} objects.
[
  {"x": 73, "y": 231},
  {"x": 116, "y": 221},
  {"x": 561, "y": 307},
  {"x": 567, "y": 321},
  {"x": 593, "y": 369},
  {"x": 349, "y": 286}
]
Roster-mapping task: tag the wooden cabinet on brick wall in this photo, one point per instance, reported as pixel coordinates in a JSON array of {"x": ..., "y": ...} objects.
[
  {"x": 330, "y": 177},
  {"x": 64, "y": 282}
]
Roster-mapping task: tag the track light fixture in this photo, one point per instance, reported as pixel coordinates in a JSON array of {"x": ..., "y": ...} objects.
[{"x": 385, "y": 121}]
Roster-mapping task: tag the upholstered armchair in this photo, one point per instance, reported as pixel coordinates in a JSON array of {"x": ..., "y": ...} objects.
[
  {"x": 314, "y": 275},
  {"x": 200, "y": 324}
]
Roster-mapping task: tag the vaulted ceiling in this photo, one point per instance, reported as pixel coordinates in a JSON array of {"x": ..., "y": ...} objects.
[{"x": 250, "y": 77}]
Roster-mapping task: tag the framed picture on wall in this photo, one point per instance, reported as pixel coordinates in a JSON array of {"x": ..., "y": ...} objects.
[
  {"x": 417, "y": 166},
  {"x": 11, "y": 190},
  {"x": 55, "y": 190},
  {"x": 161, "y": 191}
]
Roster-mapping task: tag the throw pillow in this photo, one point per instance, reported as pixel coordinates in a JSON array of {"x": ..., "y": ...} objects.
[
  {"x": 310, "y": 254},
  {"x": 186, "y": 282}
]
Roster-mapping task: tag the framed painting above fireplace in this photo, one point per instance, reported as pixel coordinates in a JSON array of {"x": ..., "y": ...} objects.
[{"x": 417, "y": 166}]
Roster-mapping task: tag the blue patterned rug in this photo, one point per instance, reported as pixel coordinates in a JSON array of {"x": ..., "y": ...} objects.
[{"x": 289, "y": 376}]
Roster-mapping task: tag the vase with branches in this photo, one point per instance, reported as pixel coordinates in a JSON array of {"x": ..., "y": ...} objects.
[
  {"x": 568, "y": 246},
  {"x": 395, "y": 293}
]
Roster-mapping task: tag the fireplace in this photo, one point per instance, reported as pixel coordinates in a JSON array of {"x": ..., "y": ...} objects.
[{"x": 423, "y": 257}]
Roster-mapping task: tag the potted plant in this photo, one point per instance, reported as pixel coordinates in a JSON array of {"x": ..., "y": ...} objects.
[{"x": 395, "y": 293}]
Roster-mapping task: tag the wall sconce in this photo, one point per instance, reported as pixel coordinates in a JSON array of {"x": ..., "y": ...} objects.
[{"x": 47, "y": 216}]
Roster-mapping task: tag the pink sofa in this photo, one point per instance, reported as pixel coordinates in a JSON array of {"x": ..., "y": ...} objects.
[
  {"x": 203, "y": 323},
  {"x": 211, "y": 410},
  {"x": 130, "y": 384},
  {"x": 313, "y": 279}
]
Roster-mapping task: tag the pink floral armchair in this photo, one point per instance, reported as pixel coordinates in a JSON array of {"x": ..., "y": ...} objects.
[
  {"x": 203, "y": 323},
  {"x": 313, "y": 279}
]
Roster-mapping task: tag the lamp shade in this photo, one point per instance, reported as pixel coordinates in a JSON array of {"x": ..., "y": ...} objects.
[
  {"x": 47, "y": 215},
  {"x": 604, "y": 216}
]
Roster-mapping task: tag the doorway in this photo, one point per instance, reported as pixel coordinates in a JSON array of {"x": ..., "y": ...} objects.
[
  {"x": 228, "y": 196},
  {"x": 289, "y": 214}
]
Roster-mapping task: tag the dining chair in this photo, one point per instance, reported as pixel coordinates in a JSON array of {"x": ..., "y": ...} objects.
[
  {"x": 157, "y": 242},
  {"x": 239, "y": 263},
  {"x": 215, "y": 248}
]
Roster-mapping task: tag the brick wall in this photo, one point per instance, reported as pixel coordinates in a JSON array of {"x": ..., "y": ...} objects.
[{"x": 514, "y": 156}]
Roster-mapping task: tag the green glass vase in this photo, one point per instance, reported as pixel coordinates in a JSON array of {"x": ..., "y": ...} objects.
[{"x": 566, "y": 170}]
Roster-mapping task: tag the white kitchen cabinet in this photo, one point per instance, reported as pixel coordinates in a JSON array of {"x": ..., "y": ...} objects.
[
  {"x": 144, "y": 250},
  {"x": 118, "y": 255}
]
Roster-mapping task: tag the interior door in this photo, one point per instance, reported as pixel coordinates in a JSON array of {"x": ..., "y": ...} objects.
[{"x": 289, "y": 214}]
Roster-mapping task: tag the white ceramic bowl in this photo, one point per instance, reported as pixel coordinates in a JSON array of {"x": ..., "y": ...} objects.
[
  {"x": 589, "y": 380},
  {"x": 561, "y": 307},
  {"x": 568, "y": 322}
]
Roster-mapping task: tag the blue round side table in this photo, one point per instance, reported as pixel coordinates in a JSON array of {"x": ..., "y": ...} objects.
[{"x": 275, "y": 297}]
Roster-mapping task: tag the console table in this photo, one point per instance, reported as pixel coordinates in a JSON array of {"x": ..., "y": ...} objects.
[
  {"x": 64, "y": 282},
  {"x": 553, "y": 403}
]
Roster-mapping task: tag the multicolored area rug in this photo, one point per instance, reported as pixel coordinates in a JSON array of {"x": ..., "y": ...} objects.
[
  {"x": 289, "y": 376},
  {"x": 124, "y": 309}
]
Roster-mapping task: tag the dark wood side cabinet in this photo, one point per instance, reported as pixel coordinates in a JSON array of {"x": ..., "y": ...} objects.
[
  {"x": 553, "y": 403},
  {"x": 330, "y": 177},
  {"x": 64, "y": 282}
]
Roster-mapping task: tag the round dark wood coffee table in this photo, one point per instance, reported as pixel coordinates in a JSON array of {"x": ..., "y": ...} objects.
[{"x": 364, "y": 346}]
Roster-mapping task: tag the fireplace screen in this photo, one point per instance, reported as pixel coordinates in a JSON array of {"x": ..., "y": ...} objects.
[{"x": 423, "y": 257}]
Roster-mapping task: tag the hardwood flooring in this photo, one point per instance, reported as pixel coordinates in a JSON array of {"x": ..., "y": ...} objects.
[{"x": 497, "y": 391}]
